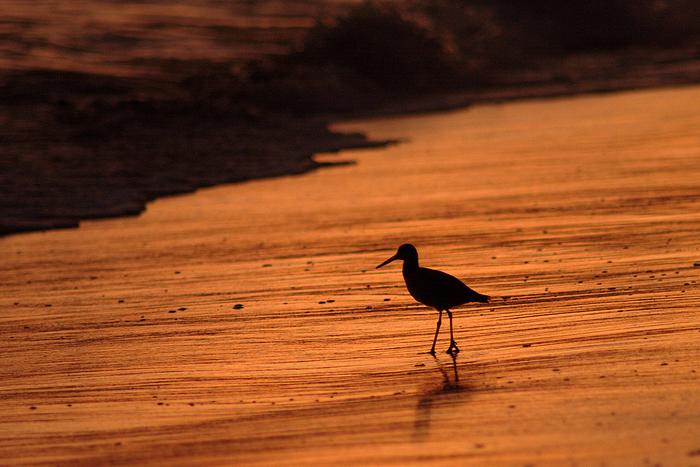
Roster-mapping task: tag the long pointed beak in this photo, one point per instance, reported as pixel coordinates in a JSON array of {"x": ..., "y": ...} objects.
[{"x": 387, "y": 261}]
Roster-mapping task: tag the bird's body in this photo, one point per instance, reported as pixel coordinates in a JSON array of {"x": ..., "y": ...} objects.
[
  {"x": 438, "y": 289},
  {"x": 434, "y": 288}
]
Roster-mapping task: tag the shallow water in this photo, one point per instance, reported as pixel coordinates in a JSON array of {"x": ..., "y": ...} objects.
[{"x": 580, "y": 216}]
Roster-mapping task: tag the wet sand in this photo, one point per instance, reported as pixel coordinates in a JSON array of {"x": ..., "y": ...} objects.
[{"x": 123, "y": 344}]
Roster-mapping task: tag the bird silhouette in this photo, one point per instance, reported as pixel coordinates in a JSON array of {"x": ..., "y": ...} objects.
[{"x": 435, "y": 289}]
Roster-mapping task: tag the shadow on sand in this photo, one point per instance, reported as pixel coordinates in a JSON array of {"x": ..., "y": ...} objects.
[{"x": 450, "y": 393}]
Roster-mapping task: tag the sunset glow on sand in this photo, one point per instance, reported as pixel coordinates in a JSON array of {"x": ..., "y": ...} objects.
[{"x": 229, "y": 312}]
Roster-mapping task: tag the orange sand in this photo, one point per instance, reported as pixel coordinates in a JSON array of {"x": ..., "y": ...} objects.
[{"x": 584, "y": 211}]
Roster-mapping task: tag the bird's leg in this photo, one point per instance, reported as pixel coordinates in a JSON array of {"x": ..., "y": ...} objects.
[
  {"x": 437, "y": 330},
  {"x": 453, "y": 345}
]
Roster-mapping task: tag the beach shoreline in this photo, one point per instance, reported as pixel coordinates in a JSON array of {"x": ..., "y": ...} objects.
[{"x": 61, "y": 167}]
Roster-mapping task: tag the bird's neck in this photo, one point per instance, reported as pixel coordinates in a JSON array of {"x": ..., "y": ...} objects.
[{"x": 410, "y": 265}]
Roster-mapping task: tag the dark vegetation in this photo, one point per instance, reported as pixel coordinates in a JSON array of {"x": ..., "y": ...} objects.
[{"x": 80, "y": 145}]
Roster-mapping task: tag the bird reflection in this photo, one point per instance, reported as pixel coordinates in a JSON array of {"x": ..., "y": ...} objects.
[{"x": 449, "y": 393}]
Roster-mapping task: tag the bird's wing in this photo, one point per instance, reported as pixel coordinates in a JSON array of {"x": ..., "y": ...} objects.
[
  {"x": 452, "y": 291},
  {"x": 448, "y": 281}
]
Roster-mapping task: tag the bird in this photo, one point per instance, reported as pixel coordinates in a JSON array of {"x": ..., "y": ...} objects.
[{"x": 435, "y": 289}]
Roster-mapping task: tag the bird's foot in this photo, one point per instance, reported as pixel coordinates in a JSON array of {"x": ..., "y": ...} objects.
[
  {"x": 432, "y": 351},
  {"x": 453, "y": 349}
]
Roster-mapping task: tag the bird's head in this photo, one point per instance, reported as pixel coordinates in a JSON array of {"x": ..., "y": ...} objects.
[{"x": 406, "y": 252}]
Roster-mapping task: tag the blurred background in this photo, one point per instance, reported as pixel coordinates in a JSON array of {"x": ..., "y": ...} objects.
[{"x": 106, "y": 104}]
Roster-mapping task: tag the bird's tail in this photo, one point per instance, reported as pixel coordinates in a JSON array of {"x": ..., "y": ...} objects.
[{"x": 482, "y": 298}]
